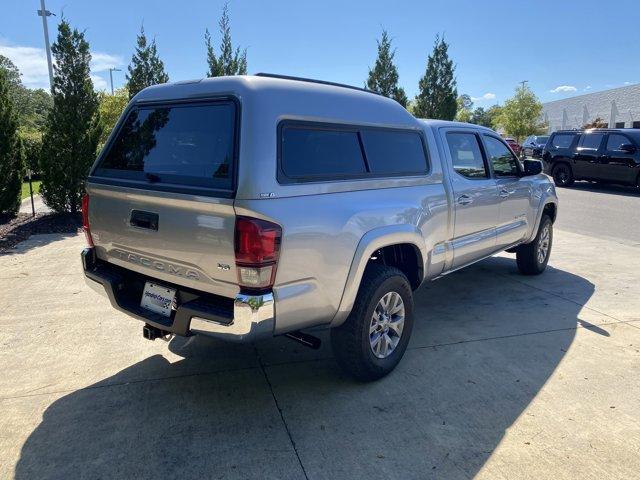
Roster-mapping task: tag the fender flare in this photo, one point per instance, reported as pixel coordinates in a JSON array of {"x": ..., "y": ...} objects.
[
  {"x": 547, "y": 199},
  {"x": 369, "y": 243}
]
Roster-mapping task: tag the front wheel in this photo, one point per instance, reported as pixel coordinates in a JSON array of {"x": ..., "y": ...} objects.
[
  {"x": 532, "y": 258},
  {"x": 373, "y": 339}
]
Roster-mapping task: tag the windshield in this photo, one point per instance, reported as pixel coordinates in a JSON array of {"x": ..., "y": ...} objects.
[{"x": 542, "y": 140}]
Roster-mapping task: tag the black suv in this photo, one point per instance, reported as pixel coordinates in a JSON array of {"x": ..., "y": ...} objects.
[{"x": 602, "y": 155}]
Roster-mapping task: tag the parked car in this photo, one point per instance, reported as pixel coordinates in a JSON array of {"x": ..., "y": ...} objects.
[
  {"x": 515, "y": 146},
  {"x": 253, "y": 206},
  {"x": 601, "y": 155},
  {"x": 533, "y": 146}
]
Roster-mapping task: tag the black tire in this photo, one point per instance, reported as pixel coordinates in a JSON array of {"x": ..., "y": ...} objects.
[
  {"x": 351, "y": 341},
  {"x": 527, "y": 255},
  {"x": 562, "y": 175}
]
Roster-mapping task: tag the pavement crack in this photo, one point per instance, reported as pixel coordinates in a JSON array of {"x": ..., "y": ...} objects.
[{"x": 284, "y": 422}]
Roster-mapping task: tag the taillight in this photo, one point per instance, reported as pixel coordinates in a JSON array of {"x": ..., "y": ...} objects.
[
  {"x": 85, "y": 219},
  {"x": 257, "y": 247}
]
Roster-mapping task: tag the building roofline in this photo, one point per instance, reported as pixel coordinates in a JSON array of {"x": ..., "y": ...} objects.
[{"x": 591, "y": 93}]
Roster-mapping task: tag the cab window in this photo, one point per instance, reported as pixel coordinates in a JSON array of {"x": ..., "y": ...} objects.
[
  {"x": 504, "y": 163},
  {"x": 466, "y": 155}
]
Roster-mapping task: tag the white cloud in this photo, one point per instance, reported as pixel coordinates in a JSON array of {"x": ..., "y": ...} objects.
[
  {"x": 564, "y": 88},
  {"x": 32, "y": 63},
  {"x": 101, "y": 62},
  {"x": 99, "y": 83},
  {"x": 486, "y": 96},
  {"x": 588, "y": 87}
]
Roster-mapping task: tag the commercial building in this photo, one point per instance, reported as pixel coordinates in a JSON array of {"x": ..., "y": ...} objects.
[{"x": 618, "y": 107}]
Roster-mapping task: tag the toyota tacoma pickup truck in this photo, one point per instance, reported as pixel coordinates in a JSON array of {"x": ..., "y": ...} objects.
[{"x": 249, "y": 207}]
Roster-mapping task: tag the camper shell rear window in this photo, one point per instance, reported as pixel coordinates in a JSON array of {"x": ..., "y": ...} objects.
[{"x": 186, "y": 146}]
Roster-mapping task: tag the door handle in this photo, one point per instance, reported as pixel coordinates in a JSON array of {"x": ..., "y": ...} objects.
[
  {"x": 504, "y": 193},
  {"x": 142, "y": 219},
  {"x": 465, "y": 199}
]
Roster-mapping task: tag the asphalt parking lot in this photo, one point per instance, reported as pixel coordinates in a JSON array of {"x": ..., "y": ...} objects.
[{"x": 505, "y": 377}]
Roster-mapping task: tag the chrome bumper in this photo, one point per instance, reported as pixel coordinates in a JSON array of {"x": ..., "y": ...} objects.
[{"x": 253, "y": 317}]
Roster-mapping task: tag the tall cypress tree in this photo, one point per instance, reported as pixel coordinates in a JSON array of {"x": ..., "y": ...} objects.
[
  {"x": 73, "y": 126},
  {"x": 438, "y": 87},
  {"x": 229, "y": 62},
  {"x": 146, "y": 68},
  {"x": 11, "y": 162},
  {"x": 383, "y": 78}
]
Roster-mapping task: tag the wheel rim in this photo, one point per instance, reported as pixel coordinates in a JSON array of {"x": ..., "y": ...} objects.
[
  {"x": 543, "y": 244},
  {"x": 387, "y": 323},
  {"x": 562, "y": 175}
]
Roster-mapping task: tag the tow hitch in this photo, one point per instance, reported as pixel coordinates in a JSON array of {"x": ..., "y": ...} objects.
[
  {"x": 305, "y": 339},
  {"x": 151, "y": 333}
]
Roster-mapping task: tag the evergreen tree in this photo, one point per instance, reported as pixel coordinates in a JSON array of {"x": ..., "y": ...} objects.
[
  {"x": 228, "y": 62},
  {"x": 11, "y": 162},
  {"x": 383, "y": 78},
  {"x": 73, "y": 125},
  {"x": 146, "y": 68},
  {"x": 438, "y": 92}
]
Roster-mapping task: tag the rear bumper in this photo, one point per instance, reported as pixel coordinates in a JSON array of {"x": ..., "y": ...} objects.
[{"x": 243, "y": 319}]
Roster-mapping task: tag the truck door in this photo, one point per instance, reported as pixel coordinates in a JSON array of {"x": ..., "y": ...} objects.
[
  {"x": 514, "y": 192},
  {"x": 475, "y": 195},
  {"x": 585, "y": 159}
]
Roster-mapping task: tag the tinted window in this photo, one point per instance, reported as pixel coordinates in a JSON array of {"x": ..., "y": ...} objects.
[
  {"x": 590, "y": 141},
  {"x": 615, "y": 140},
  {"x": 310, "y": 152},
  {"x": 503, "y": 161},
  {"x": 188, "y": 145},
  {"x": 542, "y": 140},
  {"x": 562, "y": 140},
  {"x": 394, "y": 152},
  {"x": 466, "y": 155}
]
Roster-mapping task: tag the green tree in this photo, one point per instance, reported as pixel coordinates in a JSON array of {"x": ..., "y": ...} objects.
[
  {"x": 111, "y": 107},
  {"x": 11, "y": 163},
  {"x": 228, "y": 62},
  {"x": 383, "y": 77},
  {"x": 520, "y": 115},
  {"x": 437, "y": 97},
  {"x": 146, "y": 68},
  {"x": 465, "y": 104},
  {"x": 73, "y": 126},
  {"x": 31, "y": 106}
]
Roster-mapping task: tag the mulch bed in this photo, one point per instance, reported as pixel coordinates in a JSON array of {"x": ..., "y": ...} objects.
[{"x": 18, "y": 229}]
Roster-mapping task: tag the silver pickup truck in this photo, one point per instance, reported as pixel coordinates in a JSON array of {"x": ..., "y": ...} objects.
[{"x": 254, "y": 206}]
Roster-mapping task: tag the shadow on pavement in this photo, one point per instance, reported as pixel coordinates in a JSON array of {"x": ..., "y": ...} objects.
[{"x": 476, "y": 361}]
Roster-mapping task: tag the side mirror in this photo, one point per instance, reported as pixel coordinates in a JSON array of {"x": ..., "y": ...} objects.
[
  {"x": 628, "y": 148},
  {"x": 532, "y": 167}
]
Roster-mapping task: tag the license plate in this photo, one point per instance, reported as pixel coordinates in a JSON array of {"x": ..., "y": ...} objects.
[{"x": 157, "y": 298}]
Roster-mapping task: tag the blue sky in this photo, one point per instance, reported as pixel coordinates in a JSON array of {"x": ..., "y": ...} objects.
[{"x": 562, "y": 47}]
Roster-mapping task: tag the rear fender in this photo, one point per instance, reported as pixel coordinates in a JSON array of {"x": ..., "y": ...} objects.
[{"x": 370, "y": 242}]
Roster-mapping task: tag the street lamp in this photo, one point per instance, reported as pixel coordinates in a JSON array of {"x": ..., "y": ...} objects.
[
  {"x": 44, "y": 13},
  {"x": 111, "y": 70}
]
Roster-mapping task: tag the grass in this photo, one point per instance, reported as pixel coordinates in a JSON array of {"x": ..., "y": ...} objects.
[{"x": 25, "y": 188}]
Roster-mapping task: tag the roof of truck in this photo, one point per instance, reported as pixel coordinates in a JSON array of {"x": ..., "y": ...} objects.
[
  {"x": 289, "y": 95},
  {"x": 447, "y": 123}
]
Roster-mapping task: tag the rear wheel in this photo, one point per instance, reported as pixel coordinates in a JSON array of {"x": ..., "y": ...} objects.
[
  {"x": 373, "y": 339},
  {"x": 532, "y": 258},
  {"x": 562, "y": 175}
]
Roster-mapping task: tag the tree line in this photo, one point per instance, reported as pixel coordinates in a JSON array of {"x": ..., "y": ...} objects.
[{"x": 58, "y": 135}]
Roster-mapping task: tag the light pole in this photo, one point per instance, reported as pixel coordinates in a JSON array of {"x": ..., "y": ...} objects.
[
  {"x": 111, "y": 70},
  {"x": 44, "y": 13}
]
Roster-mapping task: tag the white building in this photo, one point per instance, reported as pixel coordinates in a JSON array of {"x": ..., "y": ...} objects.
[{"x": 619, "y": 107}]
